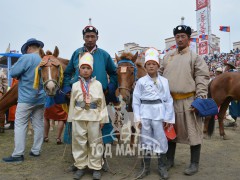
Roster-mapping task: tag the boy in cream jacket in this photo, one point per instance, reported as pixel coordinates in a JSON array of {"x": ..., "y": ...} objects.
[{"x": 88, "y": 113}]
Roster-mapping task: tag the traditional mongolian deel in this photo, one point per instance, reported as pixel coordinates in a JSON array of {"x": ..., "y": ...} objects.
[
  {"x": 87, "y": 121},
  {"x": 103, "y": 67},
  {"x": 152, "y": 102},
  {"x": 184, "y": 90}
]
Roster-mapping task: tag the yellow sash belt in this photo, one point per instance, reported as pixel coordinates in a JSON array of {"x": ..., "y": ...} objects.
[{"x": 178, "y": 96}]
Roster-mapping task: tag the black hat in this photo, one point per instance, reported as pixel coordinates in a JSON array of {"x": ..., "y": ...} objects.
[
  {"x": 90, "y": 29},
  {"x": 182, "y": 29}
]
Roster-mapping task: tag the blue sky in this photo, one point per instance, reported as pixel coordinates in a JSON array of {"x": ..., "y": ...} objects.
[{"x": 146, "y": 22}]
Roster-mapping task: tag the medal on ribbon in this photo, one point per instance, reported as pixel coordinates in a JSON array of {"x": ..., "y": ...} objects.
[
  {"x": 86, "y": 95},
  {"x": 82, "y": 104}
]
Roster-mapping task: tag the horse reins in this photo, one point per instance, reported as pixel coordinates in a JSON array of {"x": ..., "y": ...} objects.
[
  {"x": 49, "y": 63},
  {"x": 135, "y": 72}
]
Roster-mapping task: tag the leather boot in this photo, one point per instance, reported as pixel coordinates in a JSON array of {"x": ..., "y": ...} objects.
[
  {"x": 145, "y": 167},
  {"x": 105, "y": 166},
  {"x": 170, "y": 154},
  {"x": 162, "y": 169},
  {"x": 195, "y": 156}
]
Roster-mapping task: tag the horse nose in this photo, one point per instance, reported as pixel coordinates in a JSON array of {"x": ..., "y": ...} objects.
[{"x": 51, "y": 88}]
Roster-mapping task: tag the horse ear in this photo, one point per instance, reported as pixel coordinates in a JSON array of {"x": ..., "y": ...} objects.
[
  {"x": 41, "y": 53},
  {"x": 135, "y": 57},
  {"x": 116, "y": 57},
  {"x": 56, "y": 52}
]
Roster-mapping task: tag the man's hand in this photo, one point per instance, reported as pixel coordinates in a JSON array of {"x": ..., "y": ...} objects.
[
  {"x": 101, "y": 125},
  {"x": 166, "y": 125},
  {"x": 68, "y": 95},
  {"x": 193, "y": 109}
]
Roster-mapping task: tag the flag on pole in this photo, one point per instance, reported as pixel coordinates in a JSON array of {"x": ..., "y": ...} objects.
[
  {"x": 8, "y": 49},
  {"x": 173, "y": 47},
  {"x": 224, "y": 28},
  {"x": 196, "y": 40},
  {"x": 203, "y": 37}
]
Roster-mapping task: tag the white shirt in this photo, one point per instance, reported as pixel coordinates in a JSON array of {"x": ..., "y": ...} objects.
[{"x": 146, "y": 89}]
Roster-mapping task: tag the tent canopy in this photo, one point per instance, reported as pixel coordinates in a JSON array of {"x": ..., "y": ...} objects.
[{"x": 7, "y": 61}]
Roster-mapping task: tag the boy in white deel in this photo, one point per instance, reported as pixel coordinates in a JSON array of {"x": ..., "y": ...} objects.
[
  {"x": 88, "y": 113},
  {"x": 153, "y": 109}
]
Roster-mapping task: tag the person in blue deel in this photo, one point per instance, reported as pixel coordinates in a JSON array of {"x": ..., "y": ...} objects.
[{"x": 103, "y": 67}]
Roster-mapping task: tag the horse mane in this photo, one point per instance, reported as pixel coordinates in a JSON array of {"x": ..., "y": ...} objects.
[
  {"x": 48, "y": 52},
  {"x": 126, "y": 55}
]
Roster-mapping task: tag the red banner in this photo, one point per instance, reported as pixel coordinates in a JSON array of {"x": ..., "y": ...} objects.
[
  {"x": 201, "y": 4},
  {"x": 203, "y": 48}
]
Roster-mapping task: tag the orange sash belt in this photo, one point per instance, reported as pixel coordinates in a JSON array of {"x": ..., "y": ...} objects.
[{"x": 178, "y": 96}]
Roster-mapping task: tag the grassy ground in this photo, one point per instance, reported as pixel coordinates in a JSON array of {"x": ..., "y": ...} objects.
[{"x": 220, "y": 159}]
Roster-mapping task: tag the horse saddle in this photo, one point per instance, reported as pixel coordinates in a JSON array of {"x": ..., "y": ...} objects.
[
  {"x": 49, "y": 61},
  {"x": 205, "y": 107}
]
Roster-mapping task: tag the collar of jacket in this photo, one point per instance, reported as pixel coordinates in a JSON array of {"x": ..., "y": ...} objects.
[
  {"x": 184, "y": 51},
  {"x": 92, "y": 51}
]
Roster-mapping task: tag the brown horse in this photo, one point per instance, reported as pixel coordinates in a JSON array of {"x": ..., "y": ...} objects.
[
  {"x": 223, "y": 89},
  {"x": 51, "y": 71},
  {"x": 129, "y": 71},
  {"x": 10, "y": 98}
]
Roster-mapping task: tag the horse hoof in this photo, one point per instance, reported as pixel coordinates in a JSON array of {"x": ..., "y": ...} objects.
[{"x": 225, "y": 137}]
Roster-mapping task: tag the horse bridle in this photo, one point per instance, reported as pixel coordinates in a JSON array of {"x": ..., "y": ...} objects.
[
  {"x": 48, "y": 62},
  {"x": 135, "y": 72}
]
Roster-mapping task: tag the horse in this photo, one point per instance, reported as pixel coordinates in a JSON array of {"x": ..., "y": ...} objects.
[
  {"x": 7, "y": 100},
  {"x": 223, "y": 89},
  {"x": 128, "y": 71},
  {"x": 49, "y": 72}
]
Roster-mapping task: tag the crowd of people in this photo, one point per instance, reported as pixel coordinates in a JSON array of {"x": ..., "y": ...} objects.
[
  {"x": 219, "y": 60},
  {"x": 159, "y": 100}
]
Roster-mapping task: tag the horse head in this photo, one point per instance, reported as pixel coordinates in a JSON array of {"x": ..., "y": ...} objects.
[
  {"x": 127, "y": 74},
  {"x": 51, "y": 71}
]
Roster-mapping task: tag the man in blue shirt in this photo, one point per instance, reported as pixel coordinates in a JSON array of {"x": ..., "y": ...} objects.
[
  {"x": 103, "y": 68},
  {"x": 30, "y": 101}
]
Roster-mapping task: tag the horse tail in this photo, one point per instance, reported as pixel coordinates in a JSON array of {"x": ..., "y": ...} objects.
[
  {"x": 211, "y": 125},
  {"x": 211, "y": 121}
]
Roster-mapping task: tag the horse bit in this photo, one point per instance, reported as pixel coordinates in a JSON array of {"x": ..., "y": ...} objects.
[{"x": 47, "y": 62}]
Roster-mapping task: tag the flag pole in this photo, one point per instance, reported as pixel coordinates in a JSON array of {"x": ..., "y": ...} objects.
[{"x": 229, "y": 42}]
